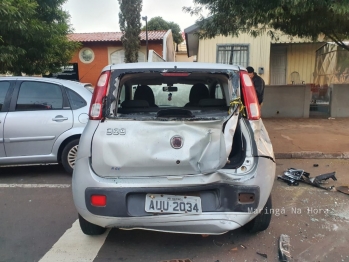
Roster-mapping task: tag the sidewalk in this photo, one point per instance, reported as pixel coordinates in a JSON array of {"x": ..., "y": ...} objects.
[{"x": 309, "y": 137}]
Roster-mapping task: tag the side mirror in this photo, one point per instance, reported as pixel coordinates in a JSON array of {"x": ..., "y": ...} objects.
[{"x": 169, "y": 89}]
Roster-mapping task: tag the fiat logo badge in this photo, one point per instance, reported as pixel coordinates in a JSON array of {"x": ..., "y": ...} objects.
[{"x": 177, "y": 142}]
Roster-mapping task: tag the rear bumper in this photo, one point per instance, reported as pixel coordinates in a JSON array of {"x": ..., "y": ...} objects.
[
  {"x": 222, "y": 209},
  {"x": 205, "y": 223},
  {"x": 130, "y": 202}
]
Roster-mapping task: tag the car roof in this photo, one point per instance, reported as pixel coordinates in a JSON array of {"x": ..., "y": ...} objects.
[
  {"x": 74, "y": 85},
  {"x": 170, "y": 65},
  {"x": 36, "y": 78}
]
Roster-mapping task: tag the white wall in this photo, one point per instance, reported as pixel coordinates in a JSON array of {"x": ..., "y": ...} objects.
[
  {"x": 286, "y": 101},
  {"x": 259, "y": 50}
]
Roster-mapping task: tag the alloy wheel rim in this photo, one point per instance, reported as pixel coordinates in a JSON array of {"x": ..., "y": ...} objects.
[{"x": 72, "y": 156}]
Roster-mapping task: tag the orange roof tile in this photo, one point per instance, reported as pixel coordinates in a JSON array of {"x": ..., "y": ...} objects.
[{"x": 113, "y": 36}]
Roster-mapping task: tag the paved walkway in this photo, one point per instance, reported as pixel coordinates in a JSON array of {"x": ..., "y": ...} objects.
[{"x": 309, "y": 138}]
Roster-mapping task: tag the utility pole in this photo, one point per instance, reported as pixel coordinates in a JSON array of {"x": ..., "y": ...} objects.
[{"x": 145, "y": 18}]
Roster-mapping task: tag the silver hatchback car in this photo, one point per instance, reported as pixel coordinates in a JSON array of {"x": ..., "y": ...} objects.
[
  {"x": 41, "y": 120},
  {"x": 174, "y": 147}
]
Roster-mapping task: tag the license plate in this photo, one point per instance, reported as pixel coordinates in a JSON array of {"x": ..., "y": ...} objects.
[{"x": 159, "y": 203}]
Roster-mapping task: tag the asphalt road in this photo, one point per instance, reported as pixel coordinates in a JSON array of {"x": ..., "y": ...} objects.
[{"x": 39, "y": 223}]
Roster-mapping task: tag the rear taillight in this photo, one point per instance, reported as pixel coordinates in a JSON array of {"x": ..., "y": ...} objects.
[
  {"x": 96, "y": 107},
  {"x": 250, "y": 97},
  {"x": 98, "y": 200}
]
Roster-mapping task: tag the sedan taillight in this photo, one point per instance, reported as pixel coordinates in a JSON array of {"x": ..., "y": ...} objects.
[{"x": 96, "y": 112}]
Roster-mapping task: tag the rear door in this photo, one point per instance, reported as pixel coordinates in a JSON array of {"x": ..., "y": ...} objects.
[
  {"x": 158, "y": 148},
  {"x": 39, "y": 114},
  {"x": 4, "y": 88},
  {"x": 179, "y": 134}
]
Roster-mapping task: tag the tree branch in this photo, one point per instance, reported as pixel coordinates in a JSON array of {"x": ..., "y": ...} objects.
[{"x": 338, "y": 42}]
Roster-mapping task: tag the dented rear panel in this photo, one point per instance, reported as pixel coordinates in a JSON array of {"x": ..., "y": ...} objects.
[
  {"x": 158, "y": 148},
  {"x": 164, "y": 122}
]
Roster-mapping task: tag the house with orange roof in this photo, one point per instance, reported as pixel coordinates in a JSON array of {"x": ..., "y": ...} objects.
[{"x": 100, "y": 49}]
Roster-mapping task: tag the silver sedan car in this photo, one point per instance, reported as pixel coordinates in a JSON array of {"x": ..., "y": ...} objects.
[
  {"x": 41, "y": 120},
  {"x": 174, "y": 147}
]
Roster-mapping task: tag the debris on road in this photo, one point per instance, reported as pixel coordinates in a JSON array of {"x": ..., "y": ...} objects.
[
  {"x": 320, "y": 179},
  {"x": 315, "y": 165},
  {"x": 262, "y": 254},
  {"x": 178, "y": 260},
  {"x": 218, "y": 244},
  {"x": 293, "y": 176},
  {"x": 343, "y": 189},
  {"x": 284, "y": 248},
  {"x": 235, "y": 249}
]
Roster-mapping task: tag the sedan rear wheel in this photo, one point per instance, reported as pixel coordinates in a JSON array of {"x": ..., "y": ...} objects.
[{"x": 69, "y": 154}]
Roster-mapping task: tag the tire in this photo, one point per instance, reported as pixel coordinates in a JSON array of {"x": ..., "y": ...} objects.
[
  {"x": 69, "y": 154},
  {"x": 90, "y": 229},
  {"x": 262, "y": 220}
]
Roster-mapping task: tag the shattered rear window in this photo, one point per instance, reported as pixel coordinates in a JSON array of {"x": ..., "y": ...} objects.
[{"x": 171, "y": 94}]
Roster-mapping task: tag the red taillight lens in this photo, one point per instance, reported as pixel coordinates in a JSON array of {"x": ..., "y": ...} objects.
[
  {"x": 250, "y": 97},
  {"x": 98, "y": 200},
  {"x": 175, "y": 74},
  {"x": 98, "y": 94}
]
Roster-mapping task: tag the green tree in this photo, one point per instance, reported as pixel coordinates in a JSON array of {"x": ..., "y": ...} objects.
[
  {"x": 33, "y": 36},
  {"x": 158, "y": 23},
  {"x": 302, "y": 18},
  {"x": 130, "y": 25}
]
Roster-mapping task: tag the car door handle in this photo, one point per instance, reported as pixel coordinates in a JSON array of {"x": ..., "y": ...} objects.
[{"x": 59, "y": 118}]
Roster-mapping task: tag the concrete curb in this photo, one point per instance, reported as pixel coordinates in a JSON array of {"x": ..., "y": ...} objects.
[{"x": 312, "y": 155}]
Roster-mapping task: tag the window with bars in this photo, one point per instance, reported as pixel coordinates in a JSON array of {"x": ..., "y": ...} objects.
[{"x": 233, "y": 54}]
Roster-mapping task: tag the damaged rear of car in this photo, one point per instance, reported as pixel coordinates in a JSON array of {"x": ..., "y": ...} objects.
[{"x": 174, "y": 147}]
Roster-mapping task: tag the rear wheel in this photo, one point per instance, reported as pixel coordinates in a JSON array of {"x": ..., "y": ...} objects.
[
  {"x": 90, "y": 229},
  {"x": 262, "y": 221},
  {"x": 69, "y": 154}
]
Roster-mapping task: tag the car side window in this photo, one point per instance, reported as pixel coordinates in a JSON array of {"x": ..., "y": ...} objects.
[
  {"x": 4, "y": 86},
  {"x": 76, "y": 101},
  {"x": 39, "y": 96}
]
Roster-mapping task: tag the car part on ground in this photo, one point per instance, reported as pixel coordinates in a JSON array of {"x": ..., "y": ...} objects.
[
  {"x": 284, "y": 248},
  {"x": 199, "y": 163},
  {"x": 293, "y": 176},
  {"x": 343, "y": 189}
]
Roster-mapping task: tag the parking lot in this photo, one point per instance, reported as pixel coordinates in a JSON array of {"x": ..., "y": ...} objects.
[{"x": 39, "y": 223}]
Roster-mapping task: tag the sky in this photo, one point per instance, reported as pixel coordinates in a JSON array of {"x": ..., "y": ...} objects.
[{"x": 103, "y": 15}]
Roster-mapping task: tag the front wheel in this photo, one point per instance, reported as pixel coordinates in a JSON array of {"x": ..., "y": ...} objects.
[
  {"x": 262, "y": 220},
  {"x": 69, "y": 154},
  {"x": 90, "y": 229}
]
